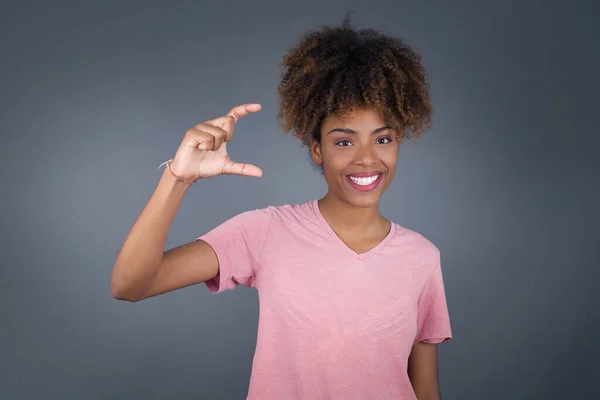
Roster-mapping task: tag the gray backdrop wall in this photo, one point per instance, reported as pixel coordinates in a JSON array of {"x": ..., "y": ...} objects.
[{"x": 95, "y": 95}]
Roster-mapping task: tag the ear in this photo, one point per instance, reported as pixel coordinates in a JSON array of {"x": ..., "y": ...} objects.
[{"x": 315, "y": 150}]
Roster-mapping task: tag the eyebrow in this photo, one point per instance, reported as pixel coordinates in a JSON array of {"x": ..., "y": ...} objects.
[{"x": 350, "y": 131}]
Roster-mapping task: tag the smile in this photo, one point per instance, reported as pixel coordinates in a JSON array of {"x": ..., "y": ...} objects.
[{"x": 364, "y": 181}]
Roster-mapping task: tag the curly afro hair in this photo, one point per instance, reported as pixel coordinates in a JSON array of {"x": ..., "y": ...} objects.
[{"x": 332, "y": 70}]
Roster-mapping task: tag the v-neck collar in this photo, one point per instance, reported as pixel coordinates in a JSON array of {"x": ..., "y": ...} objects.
[{"x": 336, "y": 238}]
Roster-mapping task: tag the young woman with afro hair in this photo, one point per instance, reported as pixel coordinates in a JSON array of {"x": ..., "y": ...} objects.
[{"x": 352, "y": 305}]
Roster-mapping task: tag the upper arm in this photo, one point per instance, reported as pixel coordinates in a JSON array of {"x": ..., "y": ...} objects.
[
  {"x": 183, "y": 266},
  {"x": 423, "y": 371},
  {"x": 229, "y": 252}
]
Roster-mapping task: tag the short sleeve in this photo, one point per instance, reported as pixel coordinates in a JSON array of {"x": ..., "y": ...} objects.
[
  {"x": 433, "y": 320},
  {"x": 238, "y": 244}
]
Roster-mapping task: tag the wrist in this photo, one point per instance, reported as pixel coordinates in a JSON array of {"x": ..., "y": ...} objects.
[
  {"x": 171, "y": 185},
  {"x": 177, "y": 177}
]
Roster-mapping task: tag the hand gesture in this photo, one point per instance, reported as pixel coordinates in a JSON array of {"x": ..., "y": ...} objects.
[{"x": 203, "y": 151}]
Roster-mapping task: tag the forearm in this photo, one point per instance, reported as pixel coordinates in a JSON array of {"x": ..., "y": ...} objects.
[
  {"x": 426, "y": 390},
  {"x": 141, "y": 254},
  {"x": 423, "y": 371},
  {"x": 427, "y": 395}
]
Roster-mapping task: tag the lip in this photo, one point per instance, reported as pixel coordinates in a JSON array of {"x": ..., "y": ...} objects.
[
  {"x": 365, "y": 174},
  {"x": 366, "y": 188}
]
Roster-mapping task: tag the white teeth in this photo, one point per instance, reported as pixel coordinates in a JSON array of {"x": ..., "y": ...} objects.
[{"x": 364, "y": 181}]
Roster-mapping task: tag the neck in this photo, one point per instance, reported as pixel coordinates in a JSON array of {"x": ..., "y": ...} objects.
[{"x": 343, "y": 216}]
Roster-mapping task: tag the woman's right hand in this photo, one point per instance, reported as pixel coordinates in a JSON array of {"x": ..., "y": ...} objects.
[{"x": 203, "y": 151}]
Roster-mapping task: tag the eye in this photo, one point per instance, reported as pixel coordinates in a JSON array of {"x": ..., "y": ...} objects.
[
  {"x": 384, "y": 140},
  {"x": 343, "y": 143}
]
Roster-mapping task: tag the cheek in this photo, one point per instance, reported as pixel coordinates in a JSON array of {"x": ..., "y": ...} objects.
[
  {"x": 332, "y": 169},
  {"x": 391, "y": 154},
  {"x": 333, "y": 159}
]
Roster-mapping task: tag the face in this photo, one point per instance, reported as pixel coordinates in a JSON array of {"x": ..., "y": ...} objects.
[{"x": 358, "y": 155}]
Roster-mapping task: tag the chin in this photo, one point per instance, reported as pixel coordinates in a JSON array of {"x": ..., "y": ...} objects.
[{"x": 363, "y": 201}]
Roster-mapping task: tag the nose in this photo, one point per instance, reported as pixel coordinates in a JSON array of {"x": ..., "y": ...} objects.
[{"x": 366, "y": 154}]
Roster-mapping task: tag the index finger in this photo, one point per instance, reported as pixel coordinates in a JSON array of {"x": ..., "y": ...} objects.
[
  {"x": 243, "y": 110},
  {"x": 227, "y": 122}
]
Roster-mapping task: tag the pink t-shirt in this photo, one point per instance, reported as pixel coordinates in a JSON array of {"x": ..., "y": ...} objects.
[{"x": 334, "y": 324}]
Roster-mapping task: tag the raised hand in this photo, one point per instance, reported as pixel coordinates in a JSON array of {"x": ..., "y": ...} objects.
[{"x": 203, "y": 150}]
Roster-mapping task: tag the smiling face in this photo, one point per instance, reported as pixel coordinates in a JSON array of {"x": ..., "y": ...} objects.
[{"x": 358, "y": 155}]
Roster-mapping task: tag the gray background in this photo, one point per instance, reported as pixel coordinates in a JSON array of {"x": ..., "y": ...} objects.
[{"x": 95, "y": 95}]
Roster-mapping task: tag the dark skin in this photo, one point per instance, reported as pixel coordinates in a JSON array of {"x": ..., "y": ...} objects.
[{"x": 364, "y": 142}]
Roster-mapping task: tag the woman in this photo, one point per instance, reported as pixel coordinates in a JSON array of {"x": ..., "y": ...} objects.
[{"x": 352, "y": 306}]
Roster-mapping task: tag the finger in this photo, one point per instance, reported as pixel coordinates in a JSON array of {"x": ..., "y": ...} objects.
[
  {"x": 235, "y": 114},
  {"x": 199, "y": 139},
  {"x": 243, "y": 110},
  {"x": 242, "y": 169},
  {"x": 219, "y": 134},
  {"x": 227, "y": 122}
]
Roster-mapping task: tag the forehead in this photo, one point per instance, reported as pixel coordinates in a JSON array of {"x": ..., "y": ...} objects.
[{"x": 356, "y": 118}]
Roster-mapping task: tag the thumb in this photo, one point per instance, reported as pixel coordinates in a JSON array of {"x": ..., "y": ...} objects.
[{"x": 235, "y": 168}]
